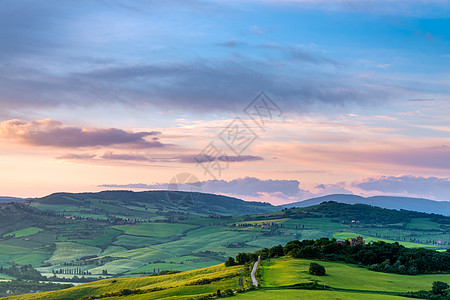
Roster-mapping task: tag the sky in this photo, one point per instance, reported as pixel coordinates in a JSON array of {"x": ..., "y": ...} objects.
[{"x": 264, "y": 100}]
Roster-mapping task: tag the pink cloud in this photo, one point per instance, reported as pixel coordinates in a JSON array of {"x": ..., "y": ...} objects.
[{"x": 48, "y": 132}]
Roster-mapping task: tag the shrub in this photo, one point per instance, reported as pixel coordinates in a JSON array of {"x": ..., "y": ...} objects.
[
  {"x": 316, "y": 269},
  {"x": 439, "y": 287}
]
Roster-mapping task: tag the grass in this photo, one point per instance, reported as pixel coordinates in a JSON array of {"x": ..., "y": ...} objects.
[
  {"x": 423, "y": 224},
  {"x": 146, "y": 254},
  {"x": 367, "y": 239},
  {"x": 308, "y": 295},
  {"x": 135, "y": 241},
  {"x": 261, "y": 222},
  {"x": 339, "y": 275},
  {"x": 25, "y": 232},
  {"x": 104, "y": 239},
  {"x": 158, "y": 230},
  {"x": 212, "y": 238},
  {"x": 22, "y": 255},
  {"x": 176, "y": 285},
  {"x": 118, "y": 266},
  {"x": 315, "y": 223},
  {"x": 68, "y": 251}
]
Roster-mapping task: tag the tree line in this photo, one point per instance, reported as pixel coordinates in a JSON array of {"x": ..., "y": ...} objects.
[{"x": 378, "y": 256}]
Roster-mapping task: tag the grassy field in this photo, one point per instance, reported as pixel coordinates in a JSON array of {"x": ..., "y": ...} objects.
[
  {"x": 278, "y": 276},
  {"x": 22, "y": 255},
  {"x": 25, "y": 232},
  {"x": 422, "y": 224},
  {"x": 158, "y": 230},
  {"x": 308, "y": 295},
  {"x": 175, "y": 286},
  {"x": 346, "y": 282},
  {"x": 367, "y": 239},
  {"x": 281, "y": 272},
  {"x": 68, "y": 251}
]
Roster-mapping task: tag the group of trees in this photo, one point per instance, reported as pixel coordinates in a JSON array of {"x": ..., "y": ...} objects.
[
  {"x": 26, "y": 272},
  {"x": 365, "y": 214},
  {"x": 16, "y": 287},
  {"x": 378, "y": 256},
  {"x": 439, "y": 291},
  {"x": 76, "y": 271}
]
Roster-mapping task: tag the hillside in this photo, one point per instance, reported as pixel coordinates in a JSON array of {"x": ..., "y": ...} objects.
[
  {"x": 416, "y": 204},
  {"x": 70, "y": 240},
  {"x": 285, "y": 278},
  {"x": 4, "y": 199},
  {"x": 128, "y": 204}
]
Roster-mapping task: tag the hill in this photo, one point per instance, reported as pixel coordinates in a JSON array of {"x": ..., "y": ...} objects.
[
  {"x": 4, "y": 199},
  {"x": 283, "y": 277},
  {"x": 416, "y": 204},
  {"x": 68, "y": 236},
  {"x": 128, "y": 204}
]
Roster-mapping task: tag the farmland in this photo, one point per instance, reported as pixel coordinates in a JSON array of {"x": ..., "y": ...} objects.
[{"x": 114, "y": 243}]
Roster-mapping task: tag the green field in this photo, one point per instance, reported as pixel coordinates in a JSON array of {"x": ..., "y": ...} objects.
[
  {"x": 158, "y": 230},
  {"x": 278, "y": 276},
  {"x": 175, "y": 286},
  {"x": 368, "y": 239},
  {"x": 68, "y": 251},
  {"x": 308, "y": 295},
  {"x": 288, "y": 271},
  {"x": 25, "y": 232},
  {"x": 346, "y": 282}
]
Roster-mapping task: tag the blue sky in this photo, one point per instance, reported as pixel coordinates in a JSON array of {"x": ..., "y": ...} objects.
[{"x": 363, "y": 86}]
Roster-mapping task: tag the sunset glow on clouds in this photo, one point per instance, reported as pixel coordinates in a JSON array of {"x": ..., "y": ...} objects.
[{"x": 128, "y": 94}]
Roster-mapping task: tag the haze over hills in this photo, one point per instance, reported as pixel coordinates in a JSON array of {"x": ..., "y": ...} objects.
[{"x": 416, "y": 204}]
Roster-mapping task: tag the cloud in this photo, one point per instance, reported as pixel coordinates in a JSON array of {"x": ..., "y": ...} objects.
[
  {"x": 247, "y": 186},
  {"x": 48, "y": 132},
  {"x": 112, "y": 156},
  {"x": 428, "y": 187},
  {"x": 229, "y": 158},
  {"x": 72, "y": 156}
]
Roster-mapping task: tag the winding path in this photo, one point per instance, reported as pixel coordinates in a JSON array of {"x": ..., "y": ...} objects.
[{"x": 252, "y": 275}]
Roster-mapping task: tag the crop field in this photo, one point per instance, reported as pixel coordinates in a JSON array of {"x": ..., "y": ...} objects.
[
  {"x": 105, "y": 238},
  {"x": 135, "y": 241},
  {"x": 118, "y": 266},
  {"x": 208, "y": 238},
  {"x": 422, "y": 224},
  {"x": 158, "y": 230},
  {"x": 346, "y": 235},
  {"x": 314, "y": 223},
  {"x": 25, "y": 232},
  {"x": 68, "y": 251},
  {"x": 22, "y": 255},
  {"x": 145, "y": 254}
]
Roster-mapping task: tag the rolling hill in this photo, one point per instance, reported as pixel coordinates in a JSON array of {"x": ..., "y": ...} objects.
[
  {"x": 416, "y": 204},
  {"x": 6, "y": 199},
  {"x": 128, "y": 204},
  {"x": 116, "y": 234}
]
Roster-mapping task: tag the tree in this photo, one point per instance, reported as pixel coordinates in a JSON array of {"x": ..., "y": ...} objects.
[
  {"x": 316, "y": 269},
  {"x": 439, "y": 287},
  {"x": 230, "y": 262}
]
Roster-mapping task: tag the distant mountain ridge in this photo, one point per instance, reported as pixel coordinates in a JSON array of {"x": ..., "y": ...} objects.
[
  {"x": 6, "y": 199},
  {"x": 415, "y": 204},
  {"x": 130, "y": 203}
]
